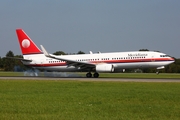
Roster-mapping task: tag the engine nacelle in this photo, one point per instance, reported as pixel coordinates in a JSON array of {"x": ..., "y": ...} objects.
[{"x": 104, "y": 68}]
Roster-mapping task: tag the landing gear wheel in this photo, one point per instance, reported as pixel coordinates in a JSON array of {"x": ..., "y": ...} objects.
[
  {"x": 96, "y": 75},
  {"x": 88, "y": 75}
]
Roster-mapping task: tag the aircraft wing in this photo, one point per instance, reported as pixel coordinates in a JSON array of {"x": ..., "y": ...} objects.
[
  {"x": 22, "y": 59},
  {"x": 69, "y": 62}
]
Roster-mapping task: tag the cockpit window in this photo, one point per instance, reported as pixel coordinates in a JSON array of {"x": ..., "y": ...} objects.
[{"x": 164, "y": 56}]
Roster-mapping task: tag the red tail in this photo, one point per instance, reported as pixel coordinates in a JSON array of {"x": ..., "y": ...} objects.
[{"x": 26, "y": 44}]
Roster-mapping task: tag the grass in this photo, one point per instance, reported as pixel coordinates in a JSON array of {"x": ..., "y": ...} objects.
[
  {"x": 69, "y": 100},
  {"x": 11, "y": 74},
  {"x": 141, "y": 75}
]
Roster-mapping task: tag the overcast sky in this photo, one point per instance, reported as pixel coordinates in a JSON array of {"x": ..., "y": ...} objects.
[{"x": 96, "y": 25}]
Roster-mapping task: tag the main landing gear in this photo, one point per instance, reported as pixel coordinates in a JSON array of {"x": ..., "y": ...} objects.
[{"x": 95, "y": 75}]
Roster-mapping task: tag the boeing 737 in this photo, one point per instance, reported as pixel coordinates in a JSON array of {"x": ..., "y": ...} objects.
[{"x": 93, "y": 62}]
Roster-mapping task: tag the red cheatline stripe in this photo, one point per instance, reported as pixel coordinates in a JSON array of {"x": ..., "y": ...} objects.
[{"x": 107, "y": 61}]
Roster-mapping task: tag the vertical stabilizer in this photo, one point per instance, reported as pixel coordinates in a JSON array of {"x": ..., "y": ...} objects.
[{"x": 26, "y": 44}]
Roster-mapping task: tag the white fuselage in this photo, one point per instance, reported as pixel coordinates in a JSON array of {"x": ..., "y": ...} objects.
[{"x": 120, "y": 60}]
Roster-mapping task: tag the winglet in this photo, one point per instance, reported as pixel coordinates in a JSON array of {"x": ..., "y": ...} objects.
[
  {"x": 90, "y": 52},
  {"x": 44, "y": 51}
]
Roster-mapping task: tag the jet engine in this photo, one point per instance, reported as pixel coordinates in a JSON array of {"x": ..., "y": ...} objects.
[{"x": 104, "y": 68}]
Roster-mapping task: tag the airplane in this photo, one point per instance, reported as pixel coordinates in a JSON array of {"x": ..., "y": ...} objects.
[{"x": 93, "y": 62}]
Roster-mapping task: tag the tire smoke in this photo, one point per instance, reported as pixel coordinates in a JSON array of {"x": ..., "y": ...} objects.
[{"x": 36, "y": 72}]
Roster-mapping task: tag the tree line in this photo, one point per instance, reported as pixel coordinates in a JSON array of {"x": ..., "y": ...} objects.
[{"x": 7, "y": 64}]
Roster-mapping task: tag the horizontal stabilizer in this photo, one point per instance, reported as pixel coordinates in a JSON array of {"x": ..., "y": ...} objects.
[{"x": 27, "y": 60}]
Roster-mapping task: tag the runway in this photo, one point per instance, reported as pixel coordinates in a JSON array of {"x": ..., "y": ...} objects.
[{"x": 90, "y": 79}]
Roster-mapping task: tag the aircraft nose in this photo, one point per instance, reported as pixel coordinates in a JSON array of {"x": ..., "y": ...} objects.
[{"x": 172, "y": 59}]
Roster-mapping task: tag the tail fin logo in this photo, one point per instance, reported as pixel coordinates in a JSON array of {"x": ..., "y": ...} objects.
[{"x": 25, "y": 43}]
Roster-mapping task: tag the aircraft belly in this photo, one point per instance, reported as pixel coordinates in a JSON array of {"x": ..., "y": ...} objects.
[
  {"x": 58, "y": 68},
  {"x": 141, "y": 65},
  {"x": 132, "y": 65},
  {"x": 157, "y": 64}
]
